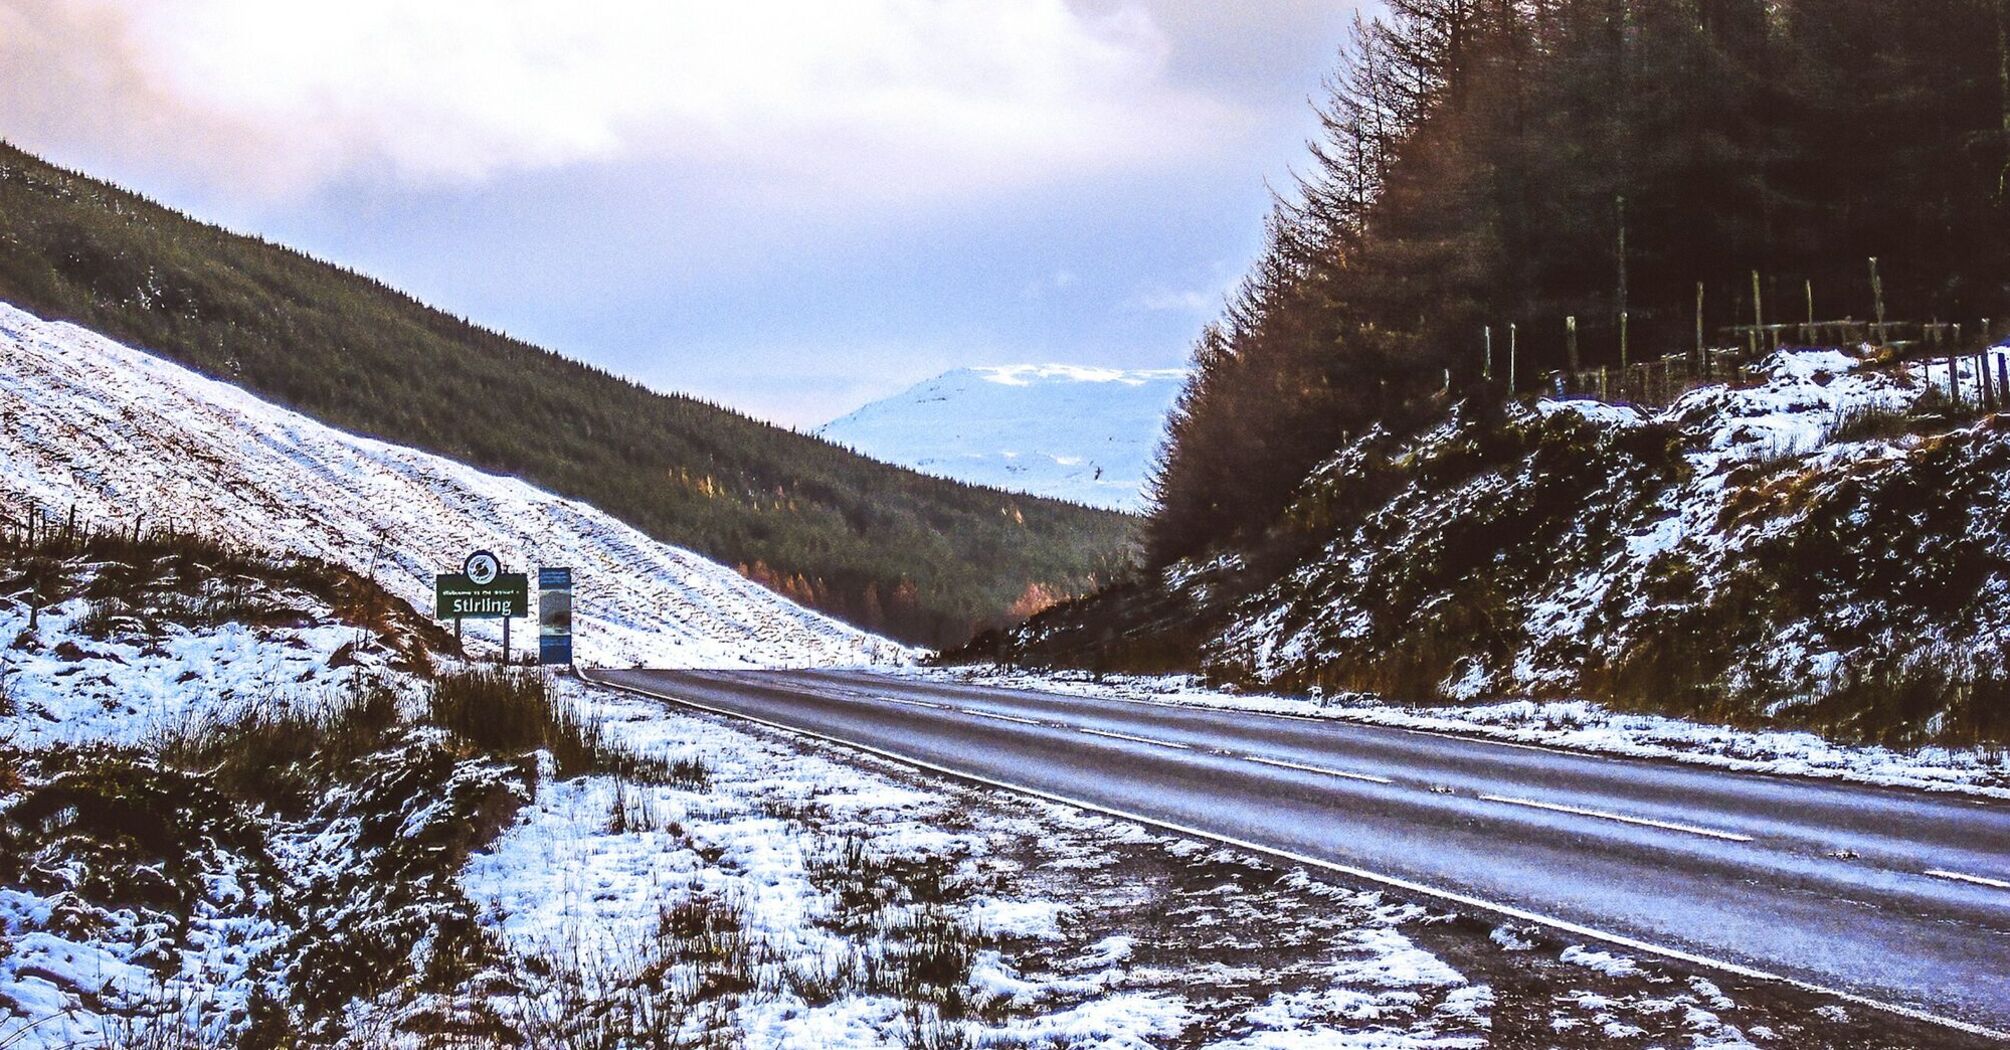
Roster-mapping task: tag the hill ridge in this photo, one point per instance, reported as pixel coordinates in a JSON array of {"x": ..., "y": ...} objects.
[
  {"x": 1082, "y": 433},
  {"x": 920, "y": 557},
  {"x": 114, "y": 435}
]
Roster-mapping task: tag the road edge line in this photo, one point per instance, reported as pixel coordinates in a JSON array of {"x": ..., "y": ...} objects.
[
  {"x": 1392, "y": 882},
  {"x": 1944, "y": 790},
  {"x": 1973, "y": 880},
  {"x": 1620, "y": 818}
]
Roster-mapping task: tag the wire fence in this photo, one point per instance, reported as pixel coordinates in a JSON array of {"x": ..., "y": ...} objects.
[{"x": 1955, "y": 350}]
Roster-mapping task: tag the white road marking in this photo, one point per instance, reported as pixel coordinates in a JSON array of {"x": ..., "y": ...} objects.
[
  {"x": 1978, "y": 880},
  {"x": 1454, "y": 897},
  {"x": 1319, "y": 769},
  {"x": 1473, "y": 736},
  {"x": 1727, "y": 836},
  {"x": 913, "y": 703},
  {"x": 1002, "y": 718},
  {"x": 1137, "y": 739}
]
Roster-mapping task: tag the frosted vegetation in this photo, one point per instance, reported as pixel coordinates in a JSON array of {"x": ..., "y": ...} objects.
[
  {"x": 1823, "y": 547},
  {"x": 1819, "y": 545},
  {"x": 249, "y": 800}
]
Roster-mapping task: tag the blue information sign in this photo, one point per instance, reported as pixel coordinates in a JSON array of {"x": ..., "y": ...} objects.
[{"x": 554, "y": 616}]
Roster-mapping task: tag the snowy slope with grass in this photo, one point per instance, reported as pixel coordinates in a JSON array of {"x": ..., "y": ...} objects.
[
  {"x": 1081, "y": 434},
  {"x": 335, "y": 856},
  {"x": 119, "y": 433},
  {"x": 247, "y": 799},
  {"x": 1820, "y": 545},
  {"x": 250, "y": 799}
]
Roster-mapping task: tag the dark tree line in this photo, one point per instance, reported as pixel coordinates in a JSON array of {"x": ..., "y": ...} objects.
[{"x": 1495, "y": 162}]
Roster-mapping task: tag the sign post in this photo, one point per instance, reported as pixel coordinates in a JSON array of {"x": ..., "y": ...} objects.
[
  {"x": 554, "y": 616},
  {"x": 482, "y": 591}
]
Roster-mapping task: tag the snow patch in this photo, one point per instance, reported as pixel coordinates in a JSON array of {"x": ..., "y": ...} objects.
[{"x": 1070, "y": 432}]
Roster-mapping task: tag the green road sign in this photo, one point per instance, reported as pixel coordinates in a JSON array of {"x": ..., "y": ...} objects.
[{"x": 457, "y": 597}]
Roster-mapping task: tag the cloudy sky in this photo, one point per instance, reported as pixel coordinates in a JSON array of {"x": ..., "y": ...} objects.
[{"x": 789, "y": 206}]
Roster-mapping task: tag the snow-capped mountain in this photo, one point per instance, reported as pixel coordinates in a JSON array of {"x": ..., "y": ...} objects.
[
  {"x": 1073, "y": 433},
  {"x": 117, "y": 433}
]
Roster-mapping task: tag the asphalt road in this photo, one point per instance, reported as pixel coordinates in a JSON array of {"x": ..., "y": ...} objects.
[{"x": 1898, "y": 897}]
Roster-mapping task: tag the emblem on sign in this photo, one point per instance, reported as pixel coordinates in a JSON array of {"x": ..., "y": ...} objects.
[{"x": 481, "y": 568}]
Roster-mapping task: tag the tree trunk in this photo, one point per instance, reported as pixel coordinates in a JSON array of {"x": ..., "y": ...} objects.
[{"x": 2003, "y": 73}]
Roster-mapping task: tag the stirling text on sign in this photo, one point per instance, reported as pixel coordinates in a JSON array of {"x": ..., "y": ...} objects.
[{"x": 455, "y": 596}]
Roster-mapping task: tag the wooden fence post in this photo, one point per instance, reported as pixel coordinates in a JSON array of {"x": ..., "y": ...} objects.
[
  {"x": 1487, "y": 370},
  {"x": 1570, "y": 329},
  {"x": 1701, "y": 358},
  {"x": 1514, "y": 332},
  {"x": 1758, "y": 314},
  {"x": 1877, "y": 298},
  {"x": 1622, "y": 346}
]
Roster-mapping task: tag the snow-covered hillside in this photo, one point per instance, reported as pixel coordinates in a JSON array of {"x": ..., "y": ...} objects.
[
  {"x": 1821, "y": 545},
  {"x": 119, "y": 434},
  {"x": 1080, "y": 434},
  {"x": 1818, "y": 544}
]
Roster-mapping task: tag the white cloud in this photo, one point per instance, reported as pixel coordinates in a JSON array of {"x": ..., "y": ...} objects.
[
  {"x": 1185, "y": 301},
  {"x": 1058, "y": 281},
  {"x": 1202, "y": 290},
  {"x": 885, "y": 97}
]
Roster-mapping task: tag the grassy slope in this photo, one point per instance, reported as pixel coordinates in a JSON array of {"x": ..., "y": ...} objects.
[{"x": 832, "y": 528}]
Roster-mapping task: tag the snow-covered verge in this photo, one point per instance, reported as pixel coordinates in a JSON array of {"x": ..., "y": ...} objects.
[
  {"x": 1573, "y": 725},
  {"x": 1822, "y": 547},
  {"x": 891, "y": 911},
  {"x": 293, "y": 837},
  {"x": 118, "y": 434},
  {"x": 1070, "y": 432}
]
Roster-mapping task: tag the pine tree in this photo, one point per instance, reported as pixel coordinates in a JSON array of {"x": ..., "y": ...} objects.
[{"x": 1516, "y": 162}]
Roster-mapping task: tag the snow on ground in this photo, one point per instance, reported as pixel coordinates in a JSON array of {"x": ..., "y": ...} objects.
[
  {"x": 1040, "y": 885},
  {"x": 1081, "y": 434},
  {"x": 45, "y": 973},
  {"x": 1575, "y": 725},
  {"x": 1053, "y": 927},
  {"x": 124, "y": 690},
  {"x": 1825, "y": 523},
  {"x": 117, "y": 432},
  {"x": 1064, "y": 929}
]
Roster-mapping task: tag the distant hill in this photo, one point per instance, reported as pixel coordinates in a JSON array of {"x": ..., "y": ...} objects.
[
  {"x": 120, "y": 436},
  {"x": 1081, "y": 434},
  {"x": 923, "y": 559}
]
